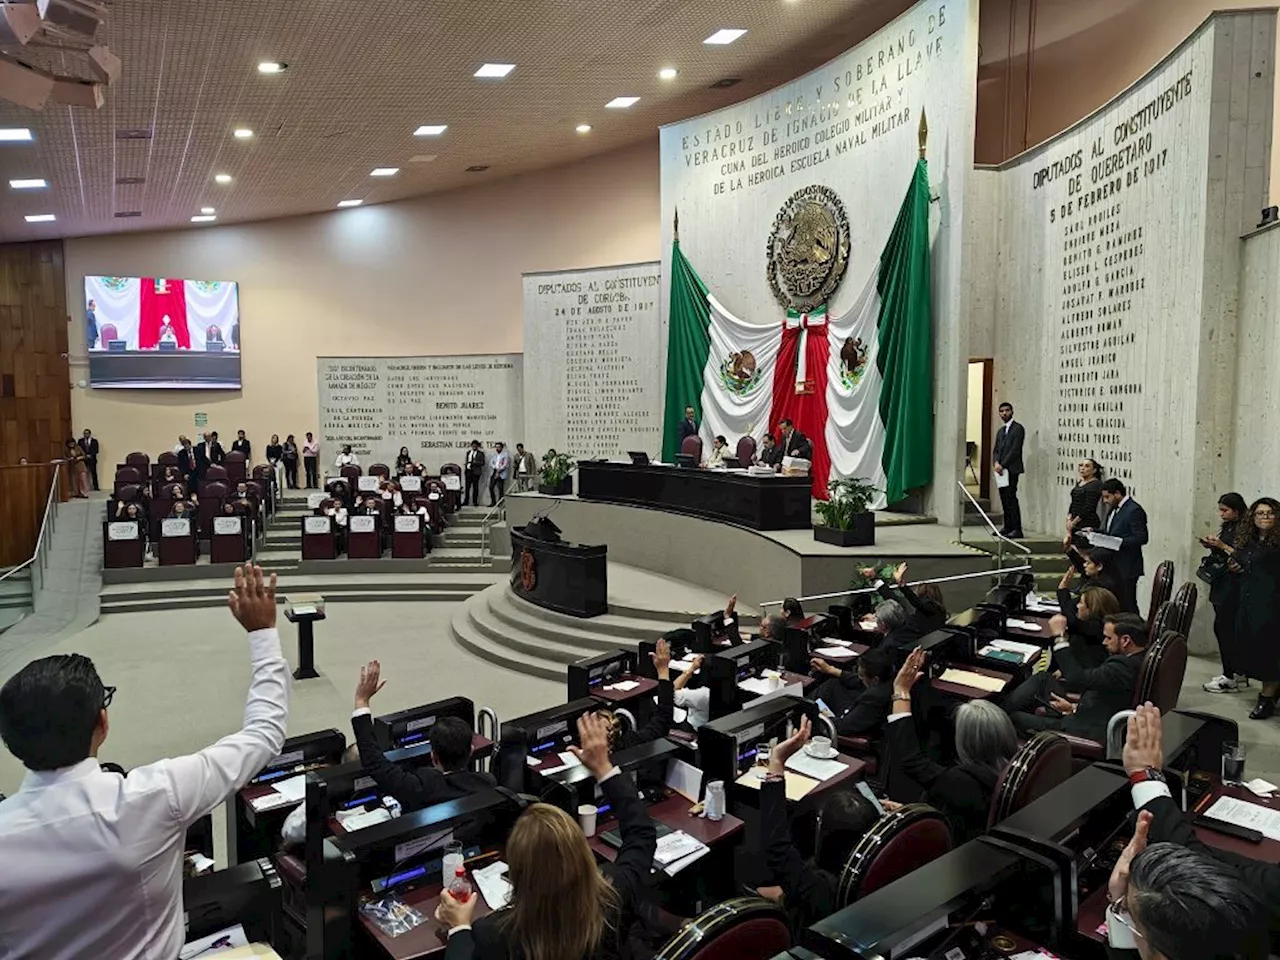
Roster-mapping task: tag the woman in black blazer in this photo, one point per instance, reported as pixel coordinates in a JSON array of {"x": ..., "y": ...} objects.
[
  {"x": 1083, "y": 613},
  {"x": 561, "y": 905},
  {"x": 1083, "y": 513},
  {"x": 1224, "y": 594},
  {"x": 985, "y": 741}
]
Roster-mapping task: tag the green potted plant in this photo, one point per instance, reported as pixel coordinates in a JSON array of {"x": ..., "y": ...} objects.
[
  {"x": 847, "y": 520},
  {"x": 864, "y": 603},
  {"x": 554, "y": 478}
]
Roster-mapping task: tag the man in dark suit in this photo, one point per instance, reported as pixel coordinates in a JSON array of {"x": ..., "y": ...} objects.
[
  {"x": 689, "y": 425},
  {"x": 91, "y": 331},
  {"x": 472, "y": 471},
  {"x": 448, "y": 777},
  {"x": 216, "y": 453},
  {"x": 1007, "y": 454},
  {"x": 89, "y": 444},
  {"x": 859, "y": 701},
  {"x": 1225, "y": 909},
  {"x": 794, "y": 443},
  {"x": 1127, "y": 520},
  {"x": 1104, "y": 690},
  {"x": 241, "y": 445}
]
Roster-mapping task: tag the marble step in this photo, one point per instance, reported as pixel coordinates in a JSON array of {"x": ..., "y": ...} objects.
[{"x": 467, "y": 636}]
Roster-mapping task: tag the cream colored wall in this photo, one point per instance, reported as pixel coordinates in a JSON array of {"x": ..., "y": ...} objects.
[
  {"x": 439, "y": 275},
  {"x": 973, "y": 417}
]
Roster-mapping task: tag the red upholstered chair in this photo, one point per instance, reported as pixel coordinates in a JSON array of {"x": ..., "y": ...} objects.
[
  {"x": 746, "y": 451},
  {"x": 1166, "y": 616},
  {"x": 236, "y": 466},
  {"x": 349, "y": 473},
  {"x": 899, "y": 843},
  {"x": 1184, "y": 605},
  {"x": 455, "y": 496},
  {"x": 167, "y": 459},
  {"x": 692, "y": 447},
  {"x": 129, "y": 493},
  {"x": 1041, "y": 764},
  {"x": 380, "y": 470},
  {"x": 744, "y": 928},
  {"x": 127, "y": 476},
  {"x": 107, "y": 333},
  {"x": 215, "y": 472},
  {"x": 1161, "y": 587},
  {"x": 139, "y": 460}
]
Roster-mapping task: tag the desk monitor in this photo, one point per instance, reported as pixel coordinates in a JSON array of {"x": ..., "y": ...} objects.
[
  {"x": 683, "y": 643},
  {"x": 728, "y": 744},
  {"x": 645, "y": 764},
  {"x": 549, "y": 731},
  {"x": 841, "y": 615},
  {"x": 713, "y": 632},
  {"x": 727, "y": 668},
  {"x": 638, "y": 457},
  {"x": 686, "y": 460},
  {"x": 947, "y": 645},
  {"x": 732, "y": 463},
  {"x": 798, "y": 637},
  {"x": 303, "y": 752},
  {"x": 985, "y": 622},
  {"x": 1011, "y": 591},
  {"x": 405, "y": 728},
  {"x": 591, "y": 673},
  {"x": 247, "y": 893}
]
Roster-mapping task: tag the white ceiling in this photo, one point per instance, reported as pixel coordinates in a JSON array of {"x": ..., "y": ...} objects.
[{"x": 362, "y": 77}]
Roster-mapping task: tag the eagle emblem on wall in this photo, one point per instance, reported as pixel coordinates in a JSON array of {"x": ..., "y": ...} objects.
[
  {"x": 808, "y": 248},
  {"x": 853, "y": 362},
  {"x": 739, "y": 372}
]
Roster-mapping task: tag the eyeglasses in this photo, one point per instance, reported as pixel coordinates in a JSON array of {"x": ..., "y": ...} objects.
[
  {"x": 108, "y": 694},
  {"x": 1264, "y": 515},
  {"x": 1120, "y": 911}
]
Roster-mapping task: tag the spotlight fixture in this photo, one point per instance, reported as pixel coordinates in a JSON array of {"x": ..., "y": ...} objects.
[
  {"x": 350, "y": 203},
  {"x": 272, "y": 66},
  {"x": 384, "y": 171},
  {"x": 37, "y": 183},
  {"x": 15, "y": 135},
  {"x": 207, "y": 210},
  {"x": 431, "y": 130},
  {"x": 40, "y": 218},
  {"x": 242, "y": 133},
  {"x": 222, "y": 177},
  {"x": 204, "y": 218},
  {"x": 668, "y": 73},
  {"x": 583, "y": 128}
]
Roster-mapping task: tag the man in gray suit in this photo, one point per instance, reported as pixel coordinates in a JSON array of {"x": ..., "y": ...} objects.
[{"x": 1007, "y": 454}]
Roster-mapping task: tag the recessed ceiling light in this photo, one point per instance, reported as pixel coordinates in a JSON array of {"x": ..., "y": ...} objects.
[
  {"x": 222, "y": 177},
  {"x": 724, "y": 37},
  {"x": 204, "y": 218},
  {"x": 384, "y": 171},
  {"x": 431, "y": 130},
  {"x": 207, "y": 210},
  {"x": 272, "y": 66},
  {"x": 423, "y": 157},
  {"x": 14, "y": 134},
  {"x": 34, "y": 184},
  {"x": 40, "y": 218},
  {"x": 243, "y": 133},
  {"x": 621, "y": 103},
  {"x": 350, "y": 203},
  {"x": 583, "y": 128},
  {"x": 668, "y": 73},
  {"x": 494, "y": 70}
]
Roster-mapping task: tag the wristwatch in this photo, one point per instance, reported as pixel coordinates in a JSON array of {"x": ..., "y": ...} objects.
[
  {"x": 905, "y": 697},
  {"x": 1149, "y": 774}
]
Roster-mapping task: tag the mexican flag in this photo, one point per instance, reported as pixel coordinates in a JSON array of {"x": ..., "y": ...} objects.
[{"x": 859, "y": 386}]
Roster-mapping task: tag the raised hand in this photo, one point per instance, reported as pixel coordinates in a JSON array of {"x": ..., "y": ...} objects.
[
  {"x": 900, "y": 573},
  {"x": 370, "y": 682},
  {"x": 1143, "y": 747},
  {"x": 782, "y": 752},
  {"x": 911, "y": 671},
  {"x": 253, "y": 601},
  {"x": 1118, "y": 884},
  {"x": 661, "y": 658},
  {"x": 593, "y": 737}
]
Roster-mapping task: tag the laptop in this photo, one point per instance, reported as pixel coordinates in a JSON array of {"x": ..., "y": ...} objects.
[
  {"x": 614, "y": 838},
  {"x": 732, "y": 463},
  {"x": 638, "y": 457}
]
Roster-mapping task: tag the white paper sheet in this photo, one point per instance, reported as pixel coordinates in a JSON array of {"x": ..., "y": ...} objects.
[
  {"x": 270, "y": 801},
  {"x": 235, "y": 938},
  {"x": 366, "y": 819},
  {"x": 493, "y": 884},
  {"x": 841, "y": 652},
  {"x": 685, "y": 779},
  {"x": 757, "y": 685},
  {"x": 1246, "y": 814},
  {"x": 822, "y": 770},
  {"x": 569, "y": 760},
  {"x": 1030, "y": 625},
  {"x": 675, "y": 846},
  {"x": 1097, "y": 539},
  {"x": 294, "y": 789},
  {"x": 680, "y": 666},
  {"x": 1263, "y": 788},
  {"x": 671, "y": 869},
  {"x": 1016, "y": 646},
  {"x": 980, "y": 681},
  {"x": 624, "y": 685},
  {"x": 1002, "y": 479}
]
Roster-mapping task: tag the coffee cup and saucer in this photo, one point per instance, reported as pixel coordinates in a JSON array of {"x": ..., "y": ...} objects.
[{"x": 820, "y": 748}]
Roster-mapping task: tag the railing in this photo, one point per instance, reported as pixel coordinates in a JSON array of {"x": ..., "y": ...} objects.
[
  {"x": 497, "y": 514},
  {"x": 859, "y": 591},
  {"x": 39, "y": 561},
  {"x": 1000, "y": 538}
]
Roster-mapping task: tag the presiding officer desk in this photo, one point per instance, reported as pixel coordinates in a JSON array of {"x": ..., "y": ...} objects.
[{"x": 771, "y": 502}]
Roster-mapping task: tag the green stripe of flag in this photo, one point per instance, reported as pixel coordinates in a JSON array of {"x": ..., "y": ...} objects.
[{"x": 688, "y": 346}]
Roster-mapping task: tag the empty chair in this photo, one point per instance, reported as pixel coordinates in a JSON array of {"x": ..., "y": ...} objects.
[
  {"x": 215, "y": 472},
  {"x": 127, "y": 476},
  {"x": 746, "y": 451},
  {"x": 107, "y": 333},
  {"x": 129, "y": 493},
  {"x": 380, "y": 470},
  {"x": 898, "y": 843},
  {"x": 1161, "y": 587},
  {"x": 744, "y": 928},
  {"x": 1041, "y": 764},
  {"x": 454, "y": 496},
  {"x": 692, "y": 447},
  {"x": 167, "y": 459},
  {"x": 236, "y": 466},
  {"x": 139, "y": 460}
]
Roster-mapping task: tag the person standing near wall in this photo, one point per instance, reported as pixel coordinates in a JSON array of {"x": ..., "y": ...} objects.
[
  {"x": 1007, "y": 454},
  {"x": 89, "y": 444},
  {"x": 311, "y": 458},
  {"x": 1224, "y": 593},
  {"x": 1256, "y": 556},
  {"x": 290, "y": 457},
  {"x": 473, "y": 470},
  {"x": 498, "y": 468}
]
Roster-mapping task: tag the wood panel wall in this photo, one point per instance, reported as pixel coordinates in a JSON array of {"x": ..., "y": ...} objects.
[
  {"x": 24, "y": 491},
  {"x": 35, "y": 385}
]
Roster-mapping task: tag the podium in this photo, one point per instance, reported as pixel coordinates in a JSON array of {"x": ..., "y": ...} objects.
[
  {"x": 177, "y": 542},
  {"x": 364, "y": 540},
  {"x": 123, "y": 544},
  {"x": 318, "y": 540},
  {"x": 406, "y": 539},
  {"x": 228, "y": 543},
  {"x": 565, "y": 577}
]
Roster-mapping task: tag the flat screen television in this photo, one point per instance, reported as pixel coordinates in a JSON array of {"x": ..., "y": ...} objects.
[{"x": 162, "y": 332}]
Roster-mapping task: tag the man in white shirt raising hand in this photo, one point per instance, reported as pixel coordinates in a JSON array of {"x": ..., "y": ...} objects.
[{"x": 92, "y": 861}]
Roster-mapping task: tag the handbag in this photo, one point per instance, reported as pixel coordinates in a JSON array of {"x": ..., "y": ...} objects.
[{"x": 1212, "y": 568}]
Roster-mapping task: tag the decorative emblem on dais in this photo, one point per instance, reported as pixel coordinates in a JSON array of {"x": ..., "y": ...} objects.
[{"x": 528, "y": 570}]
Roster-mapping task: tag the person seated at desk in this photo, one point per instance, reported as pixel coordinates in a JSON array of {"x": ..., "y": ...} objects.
[
  {"x": 178, "y": 492},
  {"x": 715, "y": 459},
  {"x": 663, "y": 716},
  {"x": 1104, "y": 690},
  {"x": 389, "y": 490},
  {"x": 133, "y": 510},
  {"x": 561, "y": 904},
  {"x": 1161, "y": 822},
  {"x": 370, "y": 506},
  {"x": 695, "y": 701},
  {"x": 341, "y": 490},
  {"x": 899, "y": 636},
  {"x": 449, "y": 776},
  {"x": 1083, "y": 616},
  {"x": 926, "y": 610},
  {"x": 1096, "y": 564},
  {"x": 181, "y": 509},
  {"x": 858, "y": 699},
  {"x": 808, "y": 889},
  {"x": 772, "y": 625},
  {"x": 403, "y": 460},
  {"x": 93, "y": 860},
  {"x": 792, "y": 610},
  {"x": 794, "y": 443},
  {"x": 346, "y": 458},
  {"x": 338, "y": 511},
  {"x": 172, "y": 475},
  {"x": 768, "y": 454},
  {"x": 294, "y": 831},
  {"x": 985, "y": 741}
]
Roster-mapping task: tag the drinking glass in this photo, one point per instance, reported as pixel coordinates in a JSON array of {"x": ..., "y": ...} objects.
[
  {"x": 1233, "y": 762},
  {"x": 453, "y": 859}
]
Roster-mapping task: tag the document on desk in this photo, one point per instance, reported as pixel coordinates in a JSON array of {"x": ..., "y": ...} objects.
[
  {"x": 1244, "y": 813},
  {"x": 1038, "y": 604},
  {"x": 833, "y": 652},
  {"x": 756, "y": 685},
  {"x": 822, "y": 770},
  {"x": 625, "y": 686},
  {"x": 569, "y": 760},
  {"x": 798, "y": 787},
  {"x": 1030, "y": 625},
  {"x": 270, "y": 801},
  {"x": 293, "y": 789},
  {"x": 680, "y": 666},
  {"x": 678, "y": 850},
  {"x": 685, "y": 779},
  {"x": 977, "y": 680},
  {"x": 226, "y": 939},
  {"x": 494, "y": 885},
  {"x": 1014, "y": 646},
  {"x": 366, "y": 818}
]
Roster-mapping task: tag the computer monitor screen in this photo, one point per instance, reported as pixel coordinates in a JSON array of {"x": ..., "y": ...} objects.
[{"x": 161, "y": 332}]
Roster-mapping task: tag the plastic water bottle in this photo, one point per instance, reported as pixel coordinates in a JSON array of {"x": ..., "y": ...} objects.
[
  {"x": 714, "y": 802},
  {"x": 460, "y": 886}
]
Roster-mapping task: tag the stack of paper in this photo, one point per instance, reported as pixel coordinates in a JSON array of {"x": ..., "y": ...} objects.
[
  {"x": 270, "y": 801},
  {"x": 977, "y": 680},
  {"x": 365, "y": 818},
  {"x": 294, "y": 789},
  {"x": 680, "y": 666},
  {"x": 833, "y": 652},
  {"x": 677, "y": 850},
  {"x": 493, "y": 884},
  {"x": 798, "y": 787},
  {"x": 1246, "y": 814},
  {"x": 1030, "y": 625},
  {"x": 801, "y": 762},
  {"x": 1037, "y": 604},
  {"x": 756, "y": 685},
  {"x": 624, "y": 686}
]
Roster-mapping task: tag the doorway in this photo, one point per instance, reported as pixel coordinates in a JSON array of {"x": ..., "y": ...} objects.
[{"x": 977, "y": 467}]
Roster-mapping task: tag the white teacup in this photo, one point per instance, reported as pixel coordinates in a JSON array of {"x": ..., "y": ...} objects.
[{"x": 820, "y": 747}]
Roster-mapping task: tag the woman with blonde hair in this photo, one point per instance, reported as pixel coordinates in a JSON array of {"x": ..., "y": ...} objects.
[{"x": 562, "y": 907}]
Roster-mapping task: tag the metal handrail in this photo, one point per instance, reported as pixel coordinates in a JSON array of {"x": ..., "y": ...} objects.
[
  {"x": 486, "y": 523},
  {"x": 47, "y": 525},
  {"x": 858, "y": 591},
  {"x": 990, "y": 525}
]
